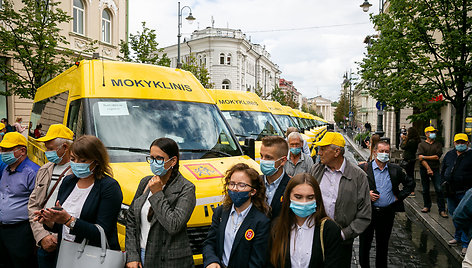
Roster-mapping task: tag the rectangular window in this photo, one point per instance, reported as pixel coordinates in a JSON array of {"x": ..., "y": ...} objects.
[
  {"x": 3, "y": 88},
  {"x": 106, "y": 31},
  {"x": 78, "y": 20},
  {"x": 49, "y": 111}
]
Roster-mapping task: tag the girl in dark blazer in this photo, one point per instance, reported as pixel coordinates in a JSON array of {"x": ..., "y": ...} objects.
[
  {"x": 90, "y": 196},
  {"x": 156, "y": 233},
  {"x": 296, "y": 238},
  {"x": 239, "y": 232}
]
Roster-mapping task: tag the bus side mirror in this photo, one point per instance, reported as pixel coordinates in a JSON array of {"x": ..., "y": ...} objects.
[{"x": 249, "y": 147}]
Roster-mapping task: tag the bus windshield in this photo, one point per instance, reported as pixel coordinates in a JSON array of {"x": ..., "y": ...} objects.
[{"x": 252, "y": 124}]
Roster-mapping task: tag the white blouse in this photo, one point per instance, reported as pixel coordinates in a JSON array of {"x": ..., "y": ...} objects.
[
  {"x": 301, "y": 243},
  {"x": 145, "y": 224},
  {"x": 73, "y": 205}
]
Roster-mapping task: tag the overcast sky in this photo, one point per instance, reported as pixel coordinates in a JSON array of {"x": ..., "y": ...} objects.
[{"x": 314, "y": 42}]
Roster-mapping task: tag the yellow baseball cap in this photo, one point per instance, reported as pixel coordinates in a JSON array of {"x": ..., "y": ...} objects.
[
  {"x": 430, "y": 129},
  {"x": 461, "y": 137},
  {"x": 12, "y": 139},
  {"x": 2, "y": 126},
  {"x": 332, "y": 138},
  {"x": 57, "y": 131}
]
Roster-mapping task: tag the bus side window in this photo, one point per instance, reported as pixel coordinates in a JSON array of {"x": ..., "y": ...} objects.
[
  {"x": 75, "y": 118},
  {"x": 48, "y": 112}
]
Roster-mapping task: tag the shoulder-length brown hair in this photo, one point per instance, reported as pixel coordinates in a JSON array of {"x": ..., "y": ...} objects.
[
  {"x": 287, "y": 219},
  {"x": 259, "y": 199},
  {"x": 91, "y": 148}
]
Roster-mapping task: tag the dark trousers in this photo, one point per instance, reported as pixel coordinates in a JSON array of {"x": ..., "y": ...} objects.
[
  {"x": 17, "y": 245},
  {"x": 381, "y": 224},
  {"x": 436, "y": 180},
  {"x": 47, "y": 259},
  {"x": 345, "y": 255},
  {"x": 410, "y": 169},
  {"x": 460, "y": 236}
]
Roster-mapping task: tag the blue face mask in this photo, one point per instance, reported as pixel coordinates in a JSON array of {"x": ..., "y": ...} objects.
[
  {"x": 303, "y": 210},
  {"x": 80, "y": 170},
  {"x": 461, "y": 147},
  {"x": 9, "y": 157},
  {"x": 2, "y": 133},
  {"x": 432, "y": 136},
  {"x": 296, "y": 151},
  {"x": 53, "y": 157},
  {"x": 268, "y": 167},
  {"x": 158, "y": 169},
  {"x": 383, "y": 157},
  {"x": 238, "y": 198}
]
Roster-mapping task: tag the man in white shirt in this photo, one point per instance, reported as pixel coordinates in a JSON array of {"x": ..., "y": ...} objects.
[{"x": 48, "y": 179}]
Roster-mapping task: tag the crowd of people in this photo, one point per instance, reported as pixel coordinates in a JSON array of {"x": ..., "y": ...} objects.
[{"x": 296, "y": 214}]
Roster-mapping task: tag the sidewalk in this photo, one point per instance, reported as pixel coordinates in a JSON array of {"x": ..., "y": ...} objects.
[{"x": 441, "y": 228}]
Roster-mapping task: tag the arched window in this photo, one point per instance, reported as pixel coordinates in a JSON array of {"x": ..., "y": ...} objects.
[
  {"x": 204, "y": 59},
  {"x": 226, "y": 84},
  {"x": 106, "y": 26},
  {"x": 78, "y": 13},
  {"x": 228, "y": 59},
  {"x": 222, "y": 58}
]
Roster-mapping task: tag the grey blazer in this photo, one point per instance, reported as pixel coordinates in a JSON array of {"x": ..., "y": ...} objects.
[{"x": 168, "y": 244}]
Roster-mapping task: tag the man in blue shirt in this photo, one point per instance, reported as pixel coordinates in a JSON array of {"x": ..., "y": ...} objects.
[
  {"x": 16, "y": 238},
  {"x": 384, "y": 179}
]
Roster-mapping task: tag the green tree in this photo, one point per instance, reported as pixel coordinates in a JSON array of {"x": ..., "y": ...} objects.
[
  {"x": 423, "y": 51},
  {"x": 259, "y": 92},
  {"x": 200, "y": 71},
  {"x": 30, "y": 35},
  {"x": 278, "y": 95},
  {"x": 142, "y": 48},
  {"x": 342, "y": 109}
]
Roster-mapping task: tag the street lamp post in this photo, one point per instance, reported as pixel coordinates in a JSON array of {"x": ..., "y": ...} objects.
[
  {"x": 366, "y": 5},
  {"x": 348, "y": 79},
  {"x": 190, "y": 19}
]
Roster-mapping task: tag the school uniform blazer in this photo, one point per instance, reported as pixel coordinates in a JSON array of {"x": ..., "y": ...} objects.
[
  {"x": 332, "y": 241},
  {"x": 276, "y": 204},
  {"x": 168, "y": 244},
  {"x": 250, "y": 243},
  {"x": 101, "y": 207}
]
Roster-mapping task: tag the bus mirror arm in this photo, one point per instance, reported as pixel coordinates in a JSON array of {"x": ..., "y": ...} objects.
[{"x": 249, "y": 147}]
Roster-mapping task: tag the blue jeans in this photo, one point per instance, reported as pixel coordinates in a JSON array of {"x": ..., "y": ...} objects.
[
  {"x": 459, "y": 235},
  {"x": 143, "y": 254},
  {"x": 46, "y": 259},
  {"x": 436, "y": 180}
]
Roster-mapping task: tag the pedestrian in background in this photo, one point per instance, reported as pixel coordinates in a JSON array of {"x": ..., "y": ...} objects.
[
  {"x": 239, "y": 232},
  {"x": 351, "y": 209},
  {"x": 57, "y": 141},
  {"x": 274, "y": 151},
  {"x": 456, "y": 174},
  {"x": 386, "y": 197},
  {"x": 303, "y": 235},
  {"x": 429, "y": 152},
  {"x": 18, "y": 126},
  {"x": 305, "y": 148},
  {"x": 8, "y": 127},
  {"x": 409, "y": 146},
  {"x": 156, "y": 223},
  {"x": 17, "y": 182},
  {"x": 88, "y": 197},
  {"x": 3, "y": 130},
  {"x": 297, "y": 162},
  {"x": 373, "y": 140},
  {"x": 463, "y": 220}
]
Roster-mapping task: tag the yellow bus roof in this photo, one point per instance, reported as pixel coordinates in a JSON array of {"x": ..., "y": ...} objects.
[
  {"x": 113, "y": 79},
  {"x": 275, "y": 107},
  {"x": 236, "y": 100},
  {"x": 290, "y": 111}
]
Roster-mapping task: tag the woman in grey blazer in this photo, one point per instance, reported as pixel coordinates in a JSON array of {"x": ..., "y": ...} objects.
[{"x": 156, "y": 233}]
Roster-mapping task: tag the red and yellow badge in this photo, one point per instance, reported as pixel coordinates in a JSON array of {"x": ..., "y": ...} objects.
[
  {"x": 249, "y": 235},
  {"x": 281, "y": 199}
]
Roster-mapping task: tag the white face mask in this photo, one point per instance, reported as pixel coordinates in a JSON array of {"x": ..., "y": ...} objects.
[{"x": 383, "y": 157}]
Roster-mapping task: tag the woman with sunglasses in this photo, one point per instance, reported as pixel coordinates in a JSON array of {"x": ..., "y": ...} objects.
[
  {"x": 240, "y": 228},
  {"x": 156, "y": 234}
]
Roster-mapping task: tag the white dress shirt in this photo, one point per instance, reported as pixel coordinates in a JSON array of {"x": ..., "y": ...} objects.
[
  {"x": 301, "y": 243},
  {"x": 232, "y": 226},
  {"x": 330, "y": 186},
  {"x": 272, "y": 188}
]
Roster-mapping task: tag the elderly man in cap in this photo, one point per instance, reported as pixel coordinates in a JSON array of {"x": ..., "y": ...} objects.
[
  {"x": 456, "y": 173},
  {"x": 297, "y": 161},
  {"x": 57, "y": 142},
  {"x": 429, "y": 152},
  {"x": 16, "y": 185},
  {"x": 345, "y": 191}
]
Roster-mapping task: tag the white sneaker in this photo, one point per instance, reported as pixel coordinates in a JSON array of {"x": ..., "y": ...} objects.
[
  {"x": 463, "y": 252},
  {"x": 452, "y": 242}
]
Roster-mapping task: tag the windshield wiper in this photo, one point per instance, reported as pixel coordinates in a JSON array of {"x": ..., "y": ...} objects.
[
  {"x": 129, "y": 149},
  {"x": 241, "y": 135},
  {"x": 205, "y": 151}
]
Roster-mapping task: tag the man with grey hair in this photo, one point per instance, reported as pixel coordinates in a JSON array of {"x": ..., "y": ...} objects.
[
  {"x": 48, "y": 179},
  {"x": 298, "y": 162},
  {"x": 305, "y": 148},
  {"x": 345, "y": 192}
]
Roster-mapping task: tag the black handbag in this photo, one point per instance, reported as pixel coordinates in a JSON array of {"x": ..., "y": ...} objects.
[{"x": 448, "y": 189}]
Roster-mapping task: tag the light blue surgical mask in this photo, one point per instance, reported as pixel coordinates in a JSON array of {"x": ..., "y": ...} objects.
[
  {"x": 81, "y": 170},
  {"x": 53, "y": 157},
  {"x": 268, "y": 167},
  {"x": 158, "y": 168},
  {"x": 383, "y": 157},
  {"x": 296, "y": 151},
  {"x": 303, "y": 210},
  {"x": 432, "y": 136},
  {"x": 9, "y": 157},
  {"x": 2, "y": 133},
  {"x": 461, "y": 147}
]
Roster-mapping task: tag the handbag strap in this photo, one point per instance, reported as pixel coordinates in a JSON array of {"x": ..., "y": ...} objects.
[
  {"x": 103, "y": 244},
  {"x": 321, "y": 238},
  {"x": 55, "y": 186}
]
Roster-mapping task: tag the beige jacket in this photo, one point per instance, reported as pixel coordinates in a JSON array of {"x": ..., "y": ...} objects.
[
  {"x": 38, "y": 197},
  {"x": 467, "y": 262}
]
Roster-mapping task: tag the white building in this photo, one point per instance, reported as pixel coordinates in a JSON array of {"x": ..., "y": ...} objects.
[
  {"x": 322, "y": 107},
  {"x": 232, "y": 60}
]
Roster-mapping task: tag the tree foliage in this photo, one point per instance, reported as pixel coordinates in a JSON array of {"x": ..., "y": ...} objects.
[
  {"x": 341, "y": 113},
  {"x": 278, "y": 95},
  {"x": 200, "y": 71},
  {"x": 422, "y": 51},
  {"x": 30, "y": 35},
  {"x": 142, "y": 48}
]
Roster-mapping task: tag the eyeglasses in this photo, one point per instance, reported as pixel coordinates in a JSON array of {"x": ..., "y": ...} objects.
[
  {"x": 239, "y": 186},
  {"x": 158, "y": 160}
]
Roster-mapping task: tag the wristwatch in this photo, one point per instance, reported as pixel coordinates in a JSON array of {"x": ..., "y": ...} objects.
[{"x": 72, "y": 223}]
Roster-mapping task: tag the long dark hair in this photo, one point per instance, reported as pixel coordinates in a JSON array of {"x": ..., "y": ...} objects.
[
  {"x": 287, "y": 219},
  {"x": 412, "y": 134},
  {"x": 373, "y": 141},
  {"x": 171, "y": 148},
  {"x": 91, "y": 148},
  {"x": 259, "y": 199}
]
